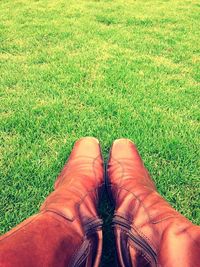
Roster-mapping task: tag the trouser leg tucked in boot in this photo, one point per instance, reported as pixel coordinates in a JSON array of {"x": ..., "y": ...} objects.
[
  {"x": 148, "y": 231},
  {"x": 67, "y": 230}
]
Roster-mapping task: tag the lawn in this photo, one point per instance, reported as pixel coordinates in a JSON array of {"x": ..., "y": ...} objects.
[{"x": 107, "y": 69}]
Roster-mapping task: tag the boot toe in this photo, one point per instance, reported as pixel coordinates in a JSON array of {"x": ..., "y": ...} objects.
[
  {"x": 87, "y": 147},
  {"x": 123, "y": 148}
]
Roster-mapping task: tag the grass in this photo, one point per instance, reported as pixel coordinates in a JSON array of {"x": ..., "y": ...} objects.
[{"x": 107, "y": 69}]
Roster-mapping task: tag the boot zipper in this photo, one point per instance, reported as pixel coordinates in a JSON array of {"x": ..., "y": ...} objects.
[{"x": 137, "y": 240}]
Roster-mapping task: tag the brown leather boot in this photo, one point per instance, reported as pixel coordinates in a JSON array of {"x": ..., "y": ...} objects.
[
  {"x": 67, "y": 231},
  {"x": 148, "y": 231}
]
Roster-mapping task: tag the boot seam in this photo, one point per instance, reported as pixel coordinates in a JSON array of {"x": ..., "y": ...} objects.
[
  {"x": 81, "y": 201},
  {"x": 136, "y": 197},
  {"x": 67, "y": 165},
  {"x": 77, "y": 205}
]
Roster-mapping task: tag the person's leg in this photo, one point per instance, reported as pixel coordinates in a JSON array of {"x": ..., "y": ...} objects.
[
  {"x": 148, "y": 231},
  {"x": 67, "y": 231}
]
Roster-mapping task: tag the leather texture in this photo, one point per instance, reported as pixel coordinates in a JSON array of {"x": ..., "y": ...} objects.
[
  {"x": 67, "y": 230},
  {"x": 148, "y": 231}
]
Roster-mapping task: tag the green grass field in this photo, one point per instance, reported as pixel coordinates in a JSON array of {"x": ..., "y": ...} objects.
[{"x": 107, "y": 69}]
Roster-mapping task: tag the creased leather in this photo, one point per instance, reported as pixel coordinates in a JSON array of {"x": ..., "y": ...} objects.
[{"x": 148, "y": 231}]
